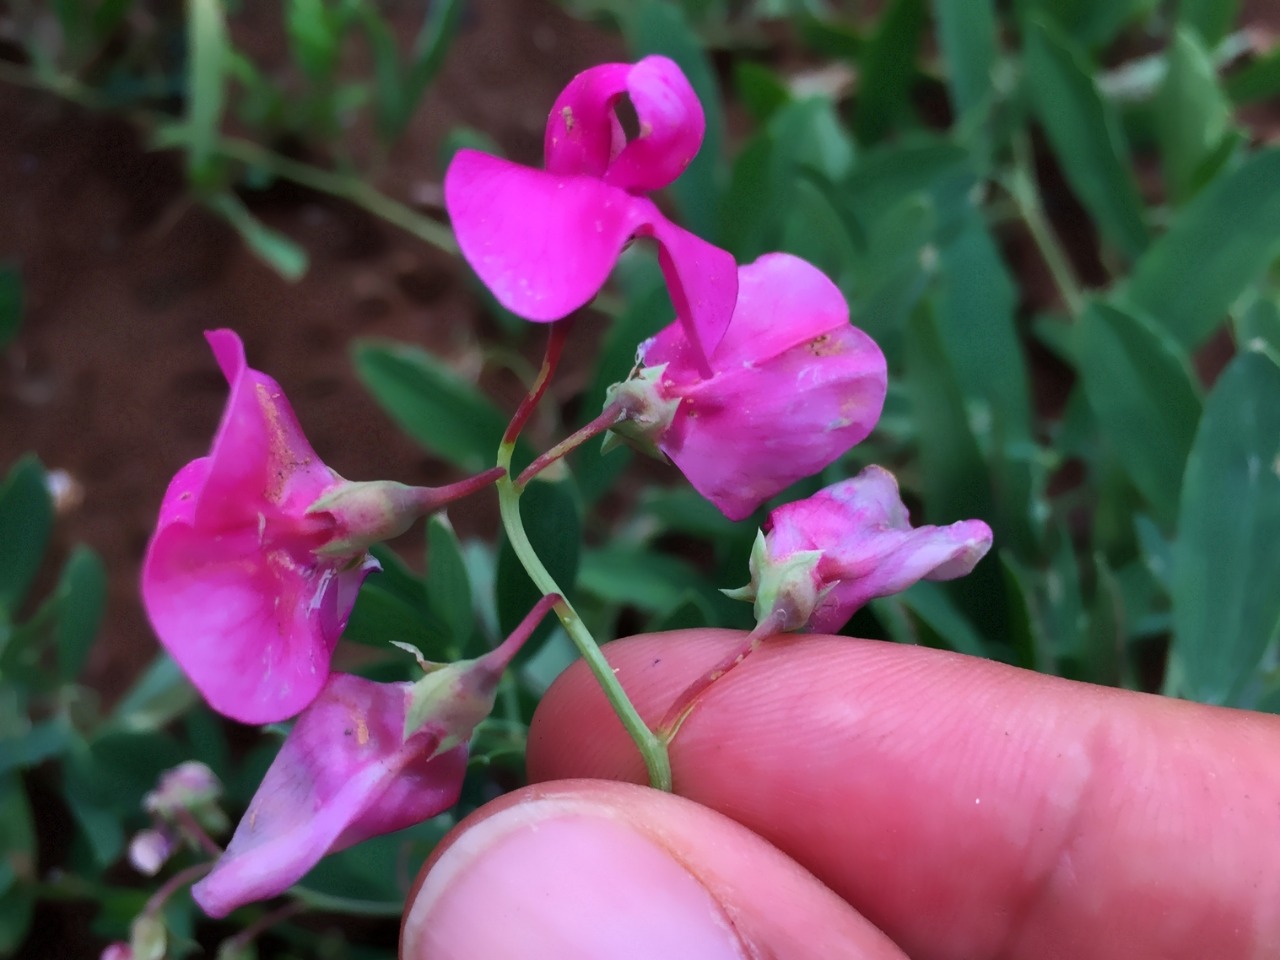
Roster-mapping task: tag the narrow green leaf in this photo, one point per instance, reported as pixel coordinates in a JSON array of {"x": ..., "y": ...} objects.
[
  {"x": 1219, "y": 244},
  {"x": 1261, "y": 321},
  {"x": 83, "y": 602},
  {"x": 18, "y": 853},
  {"x": 1211, "y": 19},
  {"x": 1024, "y": 630},
  {"x": 967, "y": 36},
  {"x": 274, "y": 248},
  {"x": 313, "y": 37},
  {"x": 1086, "y": 135},
  {"x": 1091, "y": 23},
  {"x": 380, "y": 616},
  {"x": 658, "y": 26},
  {"x": 691, "y": 613},
  {"x": 632, "y": 576},
  {"x": 444, "y": 413},
  {"x": 977, "y": 301},
  {"x": 1140, "y": 385},
  {"x": 207, "y": 45},
  {"x": 40, "y": 742},
  {"x": 1106, "y": 659},
  {"x": 448, "y": 584},
  {"x": 929, "y": 602},
  {"x": 1192, "y": 114},
  {"x": 430, "y": 48},
  {"x": 1257, "y": 81},
  {"x": 553, "y": 522},
  {"x": 760, "y": 89},
  {"x": 10, "y": 303},
  {"x": 162, "y": 693},
  {"x": 1226, "y": 608},
  {"x": 26, "y": 521},
  {"x": 888, "y": 71},
  {"x": 890, "y": 280}
]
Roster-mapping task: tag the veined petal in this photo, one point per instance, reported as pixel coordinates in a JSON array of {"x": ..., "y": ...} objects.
[
  {"x": 544, "y": 244},
  {"x": 343, "y": 774},
  {"x": 259, "y": 454}
]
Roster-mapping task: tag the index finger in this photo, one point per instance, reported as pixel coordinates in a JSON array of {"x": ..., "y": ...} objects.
[{"x": 966, "y": 807}]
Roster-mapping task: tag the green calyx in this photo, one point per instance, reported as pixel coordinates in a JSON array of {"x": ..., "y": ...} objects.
[
  {"x": 788, "y": 587},
  {"x": 647, "y": 413}
]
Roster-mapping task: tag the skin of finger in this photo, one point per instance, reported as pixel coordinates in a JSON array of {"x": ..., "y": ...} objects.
[
  {"x": 776, "y": 908},
  {"x": 967, "y": 808}
]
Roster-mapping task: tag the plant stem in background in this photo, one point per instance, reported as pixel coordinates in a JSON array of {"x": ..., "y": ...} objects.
[
  {"x": 1021, "y": 186},
  {"x": 652, "y": 748}
]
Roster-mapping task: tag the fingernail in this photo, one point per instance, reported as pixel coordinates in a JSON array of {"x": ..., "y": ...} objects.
[{"x": 528, "y": 883}]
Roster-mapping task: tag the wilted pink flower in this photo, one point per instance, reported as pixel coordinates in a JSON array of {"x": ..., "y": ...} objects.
[
  {"x": 364, "y": 759},
  {"x": 793, "y": 386},
  {"x": 818, "y": 560},
  {"x": 544, "y": 241},
  {"x": 234, "y": 581}
]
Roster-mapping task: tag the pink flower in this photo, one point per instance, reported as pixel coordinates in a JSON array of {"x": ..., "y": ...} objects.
[
  {"x": 792, "y": 387},
  {"x": 818, "y": 560},
  {"x": 233, "y": 581},
  {"x": 544, "y": 241},
  {"x": 344, "y": 774},
  {"x": 364, "y": 759}
]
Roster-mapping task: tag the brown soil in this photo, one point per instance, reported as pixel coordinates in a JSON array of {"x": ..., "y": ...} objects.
[{"x": 110, "y": 378}]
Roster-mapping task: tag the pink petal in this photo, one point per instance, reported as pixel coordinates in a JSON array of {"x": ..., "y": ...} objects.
[
  {"x": 583, "y": 133},
  {"x": 259, "y": 452},
  {"x": 671, "y": 127},
  {"x": 253, "y": 627},
  {"x": 869, "y": 547},
  {"x": 343, "y": 775},
  {"x": 584, "y": 136},
  {"x": 545, "y": 244}
]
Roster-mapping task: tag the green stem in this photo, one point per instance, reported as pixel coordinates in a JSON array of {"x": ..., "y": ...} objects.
[
  {"x": 1023, "y": 190},
  {"x": 607, "y": 418},
  {"x": 652, "y": 748}
]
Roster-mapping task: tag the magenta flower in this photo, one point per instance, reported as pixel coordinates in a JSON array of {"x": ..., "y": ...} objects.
[
  {"x": 364, "y": 759},
  {"x": 233, "y": 580},
  {"x": 344, "y": 774},
  {"x": 793, "y": 386},
  {"x": 818, "y": 560},
  {"x": 544, "y": 241}
]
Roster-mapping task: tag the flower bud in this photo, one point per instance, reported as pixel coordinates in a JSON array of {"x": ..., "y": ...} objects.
[
  {"x": 818, "y": 560},
  {"x": 149, "y": 850}
]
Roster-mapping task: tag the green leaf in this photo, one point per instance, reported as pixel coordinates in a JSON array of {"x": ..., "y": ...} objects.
[
  {"x": 444, "y": 413},
  {"x": 692, "y": 612},
  {"x": 1090, "y": 23},
  {"x": 759, "y": 88},
  {"x": 448, "y": 584},
  {"x": 1106, "y": 659},
  {"x": 1261, "y": 321},
  {"x": 274, "y": 248},
  {"x": 207, "y": 45},
  {"x": 18, "y": 855},
  {"x": 430, "y": 48},
  {"x": 162, "y": 693},
  {"x": 83, "y": 601},
  {"x": 313, "y": 37},
  {"x": 1226, "y": 608},
  {"x": 1259, "y": 80},
  {"x": 553, "y": 523},
  {"x": 1140, "y": 385},
  {"x": 632, "y": 576},
  {"x": 1219, "y": 244},
  {"x": 888, "y": 71},
  {"x": 890, "y": 280},
  {"x": 1085, "y": 134},
  {"x": 1211, "y": 19},
  {"x": 967, "y": 36},
  {"x": 1191, "y": 112},
  {"x": 929, "y": 602},
  {"x": 380, "y": 616},
  {"x": 10, "y": 303},
  {"x": 26, "y": 521},
  {"x": 657, "y": 26},
  {"x": 40, "y": 742},
  {"x": 1024, "y": 630}
]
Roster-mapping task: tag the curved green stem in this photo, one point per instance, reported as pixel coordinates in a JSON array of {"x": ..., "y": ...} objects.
[{"x": 651, "y": 747}]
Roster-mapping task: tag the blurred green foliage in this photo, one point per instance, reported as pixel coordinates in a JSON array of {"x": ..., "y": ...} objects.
[{"x": 1103, "y": 388}]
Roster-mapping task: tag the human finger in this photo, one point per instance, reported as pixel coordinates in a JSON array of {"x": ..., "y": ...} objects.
[
  {"x": 591, "y": 869},
  {"x": 965, "y": 807}
]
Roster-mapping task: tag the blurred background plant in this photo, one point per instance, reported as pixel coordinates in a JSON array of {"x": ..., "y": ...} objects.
[{"x": 1060, "y": 221}]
